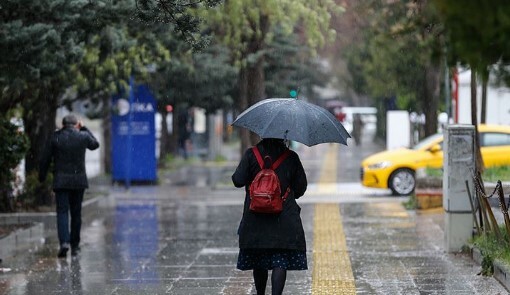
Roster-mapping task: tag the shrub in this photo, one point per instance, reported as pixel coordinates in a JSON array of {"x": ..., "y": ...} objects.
[
  {"x": 491, "y": 248},
  {"x": 35, "y": 193},
  {"x": 13, "y": 146}
]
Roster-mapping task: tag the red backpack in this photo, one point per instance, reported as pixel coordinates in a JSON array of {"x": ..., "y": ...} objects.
[{"x": 265, "y": 191}]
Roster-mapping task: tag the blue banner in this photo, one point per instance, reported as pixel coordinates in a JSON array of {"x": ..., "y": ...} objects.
[{"x": 134, "y": 136}]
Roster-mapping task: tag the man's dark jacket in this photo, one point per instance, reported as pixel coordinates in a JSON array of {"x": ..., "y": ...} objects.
[
  {"x": 66, "y": 149},
  {"x": 272, "y": 231}
]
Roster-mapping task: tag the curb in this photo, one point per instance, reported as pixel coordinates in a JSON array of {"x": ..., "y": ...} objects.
[
  {"x": 429, "y": 198},
  {"x": 502, "y": 273},
  {"x": 39, "y": 229},
  {"x": 46, "y": 218},
  {"x": 21, "y": 239}
]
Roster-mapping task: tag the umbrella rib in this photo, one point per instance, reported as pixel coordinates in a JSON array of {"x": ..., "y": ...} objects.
[{"x": 247, "y": 111}]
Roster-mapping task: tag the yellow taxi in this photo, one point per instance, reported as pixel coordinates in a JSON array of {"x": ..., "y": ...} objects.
[{"x": 395, "y": 169}]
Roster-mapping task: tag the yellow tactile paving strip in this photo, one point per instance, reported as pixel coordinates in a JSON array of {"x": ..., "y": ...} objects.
[{"x": 332, "y": 272}]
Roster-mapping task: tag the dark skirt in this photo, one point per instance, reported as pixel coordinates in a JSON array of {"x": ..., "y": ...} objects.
[{"x": 271, "y": 258}]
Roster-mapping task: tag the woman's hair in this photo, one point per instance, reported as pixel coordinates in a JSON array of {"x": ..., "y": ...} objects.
[{"x": 274, "y": 143}]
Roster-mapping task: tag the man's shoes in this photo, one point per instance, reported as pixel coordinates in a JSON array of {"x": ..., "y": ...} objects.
[
  {"x": 62, "y": 253},
  {"x": 75, "y": 251}
]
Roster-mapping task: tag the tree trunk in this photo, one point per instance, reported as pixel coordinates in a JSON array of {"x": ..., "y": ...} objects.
[
  {"x": 256, "y": 88},
  {"x": 226, "y": 127},
  {"x": 164, "y": 138},
  {"x": 39, "y": 124},
  {"x": 251, "y": 77},
  {"x": 242, "y": 104},
  {"x": 479, "y": 166},
  {"x": 173, "y": 143},
  {"x": 483, "y": 111},
  {"x": 255, "y": 71},
  {"x": 431, "y": 99},
  {"x": 172, "y": 138}
]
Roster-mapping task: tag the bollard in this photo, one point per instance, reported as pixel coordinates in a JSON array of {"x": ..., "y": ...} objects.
[{"x": 458, "y": 164}]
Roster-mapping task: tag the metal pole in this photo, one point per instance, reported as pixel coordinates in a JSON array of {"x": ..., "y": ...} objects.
[{"x": 447, "y": 90}]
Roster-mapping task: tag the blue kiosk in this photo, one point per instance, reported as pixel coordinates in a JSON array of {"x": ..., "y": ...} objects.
[{"x": 134, "y": 137}]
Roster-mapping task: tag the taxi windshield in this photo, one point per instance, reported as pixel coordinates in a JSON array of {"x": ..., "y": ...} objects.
[{"x": 427, "y": 141}]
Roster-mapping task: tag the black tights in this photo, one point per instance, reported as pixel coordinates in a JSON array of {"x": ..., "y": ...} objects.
[{"x": 278, "y": 277}]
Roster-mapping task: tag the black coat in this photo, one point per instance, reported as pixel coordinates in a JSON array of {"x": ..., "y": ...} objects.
[
  {"x": 66, "y": 149},
  {"x": 274, "y": 231}
]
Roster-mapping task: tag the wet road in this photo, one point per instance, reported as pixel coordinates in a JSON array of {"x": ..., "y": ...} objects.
[{"x": 180, "y": 238}]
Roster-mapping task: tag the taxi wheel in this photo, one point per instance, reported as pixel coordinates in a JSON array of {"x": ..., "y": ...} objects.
[{"x": 402, "y": 182}]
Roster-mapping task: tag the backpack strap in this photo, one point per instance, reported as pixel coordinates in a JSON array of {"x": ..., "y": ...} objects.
[
  {"x": 256, "y": 151},
  {"x": 277, "y": 163},
  {"x": 282, "y": 158}
]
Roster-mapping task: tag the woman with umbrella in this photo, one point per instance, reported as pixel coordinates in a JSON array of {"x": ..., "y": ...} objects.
[{"x": 272, "y": 241}]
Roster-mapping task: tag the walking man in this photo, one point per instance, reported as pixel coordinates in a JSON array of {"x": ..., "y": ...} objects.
[{"x": 66, "y": 149}]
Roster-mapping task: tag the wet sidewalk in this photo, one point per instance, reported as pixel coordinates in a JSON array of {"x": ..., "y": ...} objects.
[{"x": 180, "y": 238}]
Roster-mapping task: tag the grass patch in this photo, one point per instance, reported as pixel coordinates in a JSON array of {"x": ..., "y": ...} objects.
[
  {"x": 220, "y": 158},
  {"x": 434, "y": 172},
  {"x": 491, "y": 174},
  {"x": 411, "y": 203},
  {"x": 172, "y": 162},
  {"x": 494, "y": 174},
  {"x": 491, "y": 248}
]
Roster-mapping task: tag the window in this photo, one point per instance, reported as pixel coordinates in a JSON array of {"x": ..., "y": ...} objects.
[
  {"x": 495, "y": 139},
  {"x": 427, "y": 141}
]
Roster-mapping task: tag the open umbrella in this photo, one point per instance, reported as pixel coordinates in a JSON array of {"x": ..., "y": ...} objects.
[{"x": 292, "y": 119}]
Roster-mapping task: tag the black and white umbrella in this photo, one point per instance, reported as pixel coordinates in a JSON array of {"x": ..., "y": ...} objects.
[{"x": 292, "y": 119}]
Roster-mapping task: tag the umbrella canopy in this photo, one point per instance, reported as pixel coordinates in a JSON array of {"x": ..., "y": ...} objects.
[{"x": 292, "y": 119}]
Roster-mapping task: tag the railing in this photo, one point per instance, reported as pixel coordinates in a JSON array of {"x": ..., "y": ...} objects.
[{"x": 486, "y": 222}]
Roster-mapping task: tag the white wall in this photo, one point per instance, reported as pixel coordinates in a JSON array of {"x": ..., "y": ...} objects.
[
  {"x": 498, "y": 101},
  {"x": 398, "y": 129}
]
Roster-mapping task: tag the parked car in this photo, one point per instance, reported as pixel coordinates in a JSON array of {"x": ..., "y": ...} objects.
[{"x": 395, "y": 169}]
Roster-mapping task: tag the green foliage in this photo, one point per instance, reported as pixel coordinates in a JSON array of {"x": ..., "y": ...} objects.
[
  {"x": 202, "y": 79},
  {"x": 491, "y": 248},
  {"x": 13, "y": 147},
  {"x": 41, "y": 42},
  {"x": 213, "y": 78},
  {"x": 220, "y": 158},
  {"x": 487, "y": 265},
  {"x": 287, "y": 66},
  {"x": 33, "y": 191},
  {"x": 434, "y": 172},
  {"x": 55, "y": 52},
  {"x": 486, "y": 22},
  {"x": 172, "y": 163},
  {"x": 105, "y": 70},
  {"x": 395, "y": 52},
  {"x": 411, "y": 203},
  {"x": 179, "y": 15},
  {"x": 493, "y": 174},
  {"x": 245, "y": 25},
  {"x": 38, "y": 49}
]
